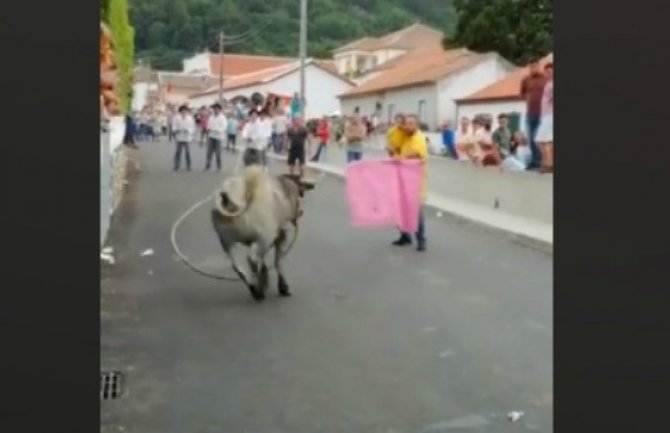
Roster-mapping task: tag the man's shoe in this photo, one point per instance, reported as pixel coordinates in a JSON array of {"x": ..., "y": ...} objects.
[
  {"x": 402, "y": 241},
  {"x": 421, "y": 246}
]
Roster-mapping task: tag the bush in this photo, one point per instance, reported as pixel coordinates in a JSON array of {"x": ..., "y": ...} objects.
[{"x": 124, "y": 48}]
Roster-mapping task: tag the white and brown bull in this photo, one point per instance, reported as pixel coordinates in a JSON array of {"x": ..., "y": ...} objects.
[{"x": 255, "y": 210}]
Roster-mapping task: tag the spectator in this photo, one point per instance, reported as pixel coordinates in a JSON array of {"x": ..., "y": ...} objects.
[
  {"x": 323, "y": 134},
  {"x": 396, "y": 134},
  {"x": 255, "y": 138},
  {"x": 217, "y": 126},
  {"x": 184, "y": 129},
  {"x": 354, "y": 132},
  {"x": 490, "y": 155},
  {"x": 129, "y": 136},
  {"x": 502, "y": 140},
  {"x": 532, "y": 88},
  {"x": 279, "y": 130},
  {"x": 520, "y": 148},
  {"x": 295, "y": 106},
  {"x": 204, "y": 121},
  {"x": 448, "y": 140},
  {"x": 265, "y": 120},
  {"x": 545, "y": 133},
  {"x": 413, "y": 146},
  {"x": 464, "y": 139},
  {"x": 297, "y": 136},
  {"x": 470, "y": 142},
  {"x": 232, "y": 127}
]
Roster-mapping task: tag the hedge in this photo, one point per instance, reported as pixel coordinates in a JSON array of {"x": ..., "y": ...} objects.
[{"x": 124, "y": 46}]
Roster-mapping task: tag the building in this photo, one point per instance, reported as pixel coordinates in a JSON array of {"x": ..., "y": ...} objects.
[
  {"x": 145, "y": 88},
  {"x": 426, "y": 82},
  {"x": 503, "y": 96},
  {"x": 323, "y": 84},
  {"x": 361, "y": 60}
]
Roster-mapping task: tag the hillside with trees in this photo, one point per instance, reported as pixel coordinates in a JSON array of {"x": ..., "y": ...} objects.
[{"x": 168, "y": 30}]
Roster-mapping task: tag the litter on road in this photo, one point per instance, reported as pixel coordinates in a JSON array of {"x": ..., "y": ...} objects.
[
  {"x": 515, "y": 416},
  {"x": 108, "y": 250},
  {"x": 147, "y": 252},
  {"x": 107, "y": 258}
]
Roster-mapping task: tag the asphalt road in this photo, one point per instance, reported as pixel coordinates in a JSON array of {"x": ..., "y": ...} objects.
[{"x": 375, "y": 338}]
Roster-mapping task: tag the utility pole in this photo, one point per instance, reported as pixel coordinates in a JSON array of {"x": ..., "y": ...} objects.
[
  {"x": 221, "y": 68},
  {"x": 303, "y": 55}
]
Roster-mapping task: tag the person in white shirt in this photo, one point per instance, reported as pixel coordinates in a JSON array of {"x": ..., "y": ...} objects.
[
  {"x": 255, "y": 137},
  {"x": 184, "y": 129},
  {"x": 217, "y": 126},
  {"x": 267, "y": 125}
]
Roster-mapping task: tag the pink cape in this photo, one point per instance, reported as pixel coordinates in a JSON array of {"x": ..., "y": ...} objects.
[{"x": 385, "y": 192}]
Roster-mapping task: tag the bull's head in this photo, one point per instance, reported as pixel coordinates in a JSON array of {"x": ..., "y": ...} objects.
[{"x": 303, "y": 185}]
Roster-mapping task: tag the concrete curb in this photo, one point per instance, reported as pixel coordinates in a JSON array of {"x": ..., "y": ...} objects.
[{"x": 519, "y": 237}]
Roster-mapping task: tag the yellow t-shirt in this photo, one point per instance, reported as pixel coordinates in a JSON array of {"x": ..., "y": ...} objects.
[
  {"x": 394, "y": 137},
  {"x": 415, "y": 144}
]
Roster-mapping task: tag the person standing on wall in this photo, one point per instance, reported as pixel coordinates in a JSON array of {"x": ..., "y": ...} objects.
[
  {"x": 217, "y": 126},
  {"x": 413, "y": 146},
  {"x": 354, "y": 133},
  {"x": 532, "y": 89},
  {"x": 184, "y": 130},
  {"x": 545, "y": 133}
]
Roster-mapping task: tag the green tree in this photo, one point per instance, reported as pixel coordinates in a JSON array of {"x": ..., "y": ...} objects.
[
  {"x": 124, "y": 49},
  {"x": 517, "y": 29}
]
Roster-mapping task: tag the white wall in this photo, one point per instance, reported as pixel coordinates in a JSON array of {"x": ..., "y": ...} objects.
[
  {"x": 468, "y": 81},
  {"x": 321, "y": 91},
  {"x": 492, "y": 108},
  {"x": 199, "y": 61},
  {"x": 407, "y": 101},
  {"x": 403, "y": 101},
  {"x": 366, "y": 104}
]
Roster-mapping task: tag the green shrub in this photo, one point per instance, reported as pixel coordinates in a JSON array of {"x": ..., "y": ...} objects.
[{"x": 124, "y": 49}]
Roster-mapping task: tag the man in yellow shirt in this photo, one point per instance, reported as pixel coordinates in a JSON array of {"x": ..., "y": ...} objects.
[
  {"x": 395, "y": 135},
  {"x": 413, "y": 146}
]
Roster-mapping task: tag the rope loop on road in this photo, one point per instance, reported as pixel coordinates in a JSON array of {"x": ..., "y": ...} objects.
[{"x": 184, "y": 258}]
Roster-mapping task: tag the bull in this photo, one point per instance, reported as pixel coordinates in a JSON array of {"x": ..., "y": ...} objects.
[{"x": 255, "y": 210}]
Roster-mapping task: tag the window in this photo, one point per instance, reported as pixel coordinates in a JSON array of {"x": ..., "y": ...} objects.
[
  {"x": 422, "y": 111},
  {"x": 391, "y": 112}
]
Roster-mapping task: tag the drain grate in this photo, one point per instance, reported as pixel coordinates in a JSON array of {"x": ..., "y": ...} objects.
[{"x": 110, "y": 385}]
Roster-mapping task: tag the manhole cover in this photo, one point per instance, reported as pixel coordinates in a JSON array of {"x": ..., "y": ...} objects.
[{"x": 110, "y": 385}]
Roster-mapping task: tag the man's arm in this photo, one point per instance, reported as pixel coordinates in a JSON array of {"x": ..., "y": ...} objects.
[{"x": 524, "y": 88}]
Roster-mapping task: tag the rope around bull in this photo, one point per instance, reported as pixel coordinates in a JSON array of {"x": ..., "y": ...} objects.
[{"x": 184, "y": 258}]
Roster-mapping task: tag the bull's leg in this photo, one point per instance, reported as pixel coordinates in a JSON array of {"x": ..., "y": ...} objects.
[
  {"x": 279, "y": 244},
  {"x": 260, "y": 271}
]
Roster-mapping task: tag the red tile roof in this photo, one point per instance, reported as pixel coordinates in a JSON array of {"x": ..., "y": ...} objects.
[
  {"x": 418, "y": 67},
  {"x": 268, "y": 75},
  {"x": 412, "y": 37},
  {"x": 505, "y": 89},
  {"x": 238, "y": 64}
]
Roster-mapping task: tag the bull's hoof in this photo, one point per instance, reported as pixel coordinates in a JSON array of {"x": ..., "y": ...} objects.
[
  {"x": 257, "y": 294},
  {"x": 284, "y": 289}
]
